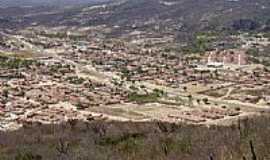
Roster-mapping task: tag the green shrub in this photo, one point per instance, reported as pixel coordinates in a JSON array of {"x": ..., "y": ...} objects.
[
  {"x": 146, "y": 98},
  {"x": 27, "y": 156},
  {"x": 15, "y": 63}
]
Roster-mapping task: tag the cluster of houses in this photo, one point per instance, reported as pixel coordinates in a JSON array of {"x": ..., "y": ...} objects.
[
  {"x": 50, "y": 90},
  {"x": 51, "y": 93}
]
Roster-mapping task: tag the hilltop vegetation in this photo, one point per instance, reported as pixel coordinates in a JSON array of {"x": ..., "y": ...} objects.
[{"x": 156, "y": 140}]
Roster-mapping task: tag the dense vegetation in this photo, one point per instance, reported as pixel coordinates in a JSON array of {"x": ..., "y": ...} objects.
[
  {"x": 14, "y": 63},
  {"x": 146, "y": 98}
]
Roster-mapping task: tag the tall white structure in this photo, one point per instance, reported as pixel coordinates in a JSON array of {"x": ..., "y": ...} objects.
[
  {"x": 239, "y": 59},
  {"x": 209, "y": 61},
  {"x": 224, "y": 59}
]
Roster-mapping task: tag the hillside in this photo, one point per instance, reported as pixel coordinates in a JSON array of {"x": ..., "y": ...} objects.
[
  {"x": 164, "y": 16},
  {"x": 134, "y": 79},
  {"x": 147, "y": 141}
]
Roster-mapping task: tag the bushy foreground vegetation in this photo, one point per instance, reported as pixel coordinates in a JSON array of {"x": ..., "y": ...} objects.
[{"x": 247, "y": 140}]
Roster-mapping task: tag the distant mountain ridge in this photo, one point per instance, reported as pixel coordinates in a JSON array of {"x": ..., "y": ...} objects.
[
  {"x": 34, "y": 3},
  {"x": 159, "y": 15}
]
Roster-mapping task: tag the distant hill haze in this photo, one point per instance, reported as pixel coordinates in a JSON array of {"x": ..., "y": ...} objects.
[
  {"x": 175, "y": 16},
  {"x": 20, "y": 3}
]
